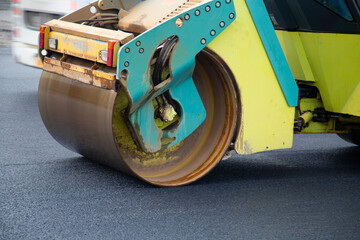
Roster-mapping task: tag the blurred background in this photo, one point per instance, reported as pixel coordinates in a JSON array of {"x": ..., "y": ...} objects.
[
  {"x": 20, "y": 21},
  {"x": 4, "y": 4},
  {"x": 5, "y": 22}
]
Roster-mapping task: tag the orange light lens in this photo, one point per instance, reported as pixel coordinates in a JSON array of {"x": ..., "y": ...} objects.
[
  {"x": 42, "y": 37},
  {"x": 110, "y": 53}
]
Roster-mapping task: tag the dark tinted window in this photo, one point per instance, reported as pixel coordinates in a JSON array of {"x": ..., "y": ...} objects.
[
  {"x": 333, "y": 16},
  {"x": 280, "y": 14},
  {"x": 339, "y": 7}
]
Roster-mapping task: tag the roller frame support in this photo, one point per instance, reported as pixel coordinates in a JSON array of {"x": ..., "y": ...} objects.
[
  {"x": 266, "y": 116},
  {"x": 134, "y": 72}
]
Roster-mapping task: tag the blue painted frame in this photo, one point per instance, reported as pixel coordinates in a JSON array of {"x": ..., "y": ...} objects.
[
  {"x": 274, "y": 51},
  {"x": 200, "y": 26}
]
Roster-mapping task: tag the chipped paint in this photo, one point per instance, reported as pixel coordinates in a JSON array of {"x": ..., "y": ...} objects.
[
  {"x": 85, "y": 75},
  {"x": 79, "y": 46}
]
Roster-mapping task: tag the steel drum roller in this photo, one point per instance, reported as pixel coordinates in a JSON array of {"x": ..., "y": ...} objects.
[{"x": 93, "y": 122}]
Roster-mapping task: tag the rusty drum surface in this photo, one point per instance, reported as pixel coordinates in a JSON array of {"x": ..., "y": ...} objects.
[{"x": 92, "y": 122}]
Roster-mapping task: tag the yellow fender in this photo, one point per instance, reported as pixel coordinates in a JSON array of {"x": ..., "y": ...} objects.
[{"x": 265, "y": 119}]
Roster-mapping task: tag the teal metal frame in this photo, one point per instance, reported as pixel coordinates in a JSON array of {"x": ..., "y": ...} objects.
[
  {"x": 274, "y": 51},
  {"x": 200, "y": 26}
]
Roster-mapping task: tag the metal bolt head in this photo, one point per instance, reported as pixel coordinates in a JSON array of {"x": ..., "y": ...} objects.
[
  {"x": 186, "y": 17},
  {"x": 228, "y": 1},
  {"x": 203, "y": 41},
  {"x": 179, "y": 22},
  {"x": 231, "y": 15},
  {"x": 167, "y": 113},
  {"x": 126, "y": 64},
  {"x": 212, "y": 32},
  {"x": 222, "y": 24},
  {"x": 127, "y": 50},
  {"x": 138, "y": 43},
  {"x": 218, "y": 4},
  {"x": 141, "y": 50},
  {"x": 197, "y": 12},
  {"x": 207, "y": 8}
]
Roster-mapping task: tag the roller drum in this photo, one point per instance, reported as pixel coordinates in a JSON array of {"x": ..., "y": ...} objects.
[
  {"x": 92, "y": 122},
  {"x": 79, "y": 116}
]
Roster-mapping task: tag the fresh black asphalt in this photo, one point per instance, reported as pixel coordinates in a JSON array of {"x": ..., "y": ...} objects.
[{"x": 48, "y": 192}]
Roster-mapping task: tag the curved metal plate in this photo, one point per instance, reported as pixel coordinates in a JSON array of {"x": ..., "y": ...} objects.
[
  {"x": 274, "y": 51},
  {"x": 200, "y": 26}
]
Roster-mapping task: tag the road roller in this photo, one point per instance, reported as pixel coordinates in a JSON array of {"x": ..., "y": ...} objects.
[{"x": 165, "y": 89}]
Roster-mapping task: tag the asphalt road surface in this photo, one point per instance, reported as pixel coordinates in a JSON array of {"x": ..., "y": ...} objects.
[{"x": 48, "y": 192}]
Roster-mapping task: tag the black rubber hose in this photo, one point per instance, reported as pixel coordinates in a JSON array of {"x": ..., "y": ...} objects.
[{"x": 163, "y": 58}]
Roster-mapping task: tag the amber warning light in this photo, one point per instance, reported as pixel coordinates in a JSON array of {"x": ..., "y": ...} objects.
[
  {"x": 42, "y": 37},
  {"x": 110, "y": 53}
]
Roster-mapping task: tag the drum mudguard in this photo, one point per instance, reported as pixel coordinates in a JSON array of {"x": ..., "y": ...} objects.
[
  {"x": 267, "y": 89},
  {"x": 193, "y": 29},
  {"x": 274, "y": 51}
]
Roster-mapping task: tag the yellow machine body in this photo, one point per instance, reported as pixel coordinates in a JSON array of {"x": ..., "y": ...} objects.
[
  {"x": 232, "y": 90},
  {"x": 265, "y": 119},
  {"x": 329, "y": 61}
]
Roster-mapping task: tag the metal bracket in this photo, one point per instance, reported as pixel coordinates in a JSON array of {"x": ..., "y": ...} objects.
[{"x": 194, "y": 28}]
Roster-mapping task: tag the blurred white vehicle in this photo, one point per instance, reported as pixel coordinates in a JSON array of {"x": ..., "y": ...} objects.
[{"x": 28, "y": 15}]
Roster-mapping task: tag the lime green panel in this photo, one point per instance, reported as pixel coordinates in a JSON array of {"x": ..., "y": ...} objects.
[
  {"x": 273, "y": 49},
  {"x": 296, "y": 56},
  {"x": 335, "y": 63},
  {"x": 266, "y": 120}
]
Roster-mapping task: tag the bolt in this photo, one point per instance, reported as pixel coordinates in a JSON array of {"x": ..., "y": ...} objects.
[
  {"x": 228, "y": 1},
  {"x": 179, "y": 22},
  {"x": 186, "y": 17},
  {"x": 197, "y": 12},
  {"x": 207, "y": 8},
  {"x": 218, "y": 4},
  {"x": 231, "y": 15},
  {"x": 141, "y": 50},
  {"x": 167, "y": 113},
  {"x": 222, "y": 24},
  {"x": 203, "y": 41},
  {"x": 127, "y": 50},
  {"x": 126, "y": 64},
  {"x": 138, "y": 43},
  {"x": 212, "y": 32}
]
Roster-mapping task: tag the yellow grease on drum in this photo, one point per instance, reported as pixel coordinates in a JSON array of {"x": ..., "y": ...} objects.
[
  {"x": 126, "y": 143},
  {"x": 200, "y": 147}
]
